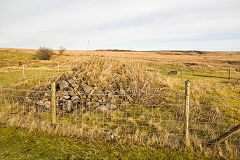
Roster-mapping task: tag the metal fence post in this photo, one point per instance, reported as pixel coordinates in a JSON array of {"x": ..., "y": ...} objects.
[
  {"x": 186, "y": 113},
  {"x": 53, "y": 100}
]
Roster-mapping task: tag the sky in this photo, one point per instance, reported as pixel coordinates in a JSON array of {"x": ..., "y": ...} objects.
[{"x": 121, "y": 24}]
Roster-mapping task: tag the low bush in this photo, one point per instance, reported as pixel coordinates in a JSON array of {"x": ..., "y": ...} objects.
[{"x": 44, "y": 53}]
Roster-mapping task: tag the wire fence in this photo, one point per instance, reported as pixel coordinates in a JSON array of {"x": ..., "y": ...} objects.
[
  {"x": 26, "y": 76},
  {"x": 147, "y": 116},
  {"x": 162, "y": 115}
]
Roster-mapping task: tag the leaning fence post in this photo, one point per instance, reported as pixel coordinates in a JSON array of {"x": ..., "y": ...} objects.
[
  {"x": 53, "y": 100},
  {"x": 186, "y": 113},
  {"x": 224, "y": 136}
]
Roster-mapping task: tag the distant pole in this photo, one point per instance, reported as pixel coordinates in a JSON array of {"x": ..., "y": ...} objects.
[
  {"x": 229, "y": 72},
  {"x": 88, "y": 45},
  {"x": 186, "y": 113}
]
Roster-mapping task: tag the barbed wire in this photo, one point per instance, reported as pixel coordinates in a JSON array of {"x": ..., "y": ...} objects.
[
  {"x": 214, "y": 105},
  {"x": 212, "y": 95},
  {"x": 142, "y": 119},
  {"x": 215, "y": 87},
  {"x": 24, "y": 90}
]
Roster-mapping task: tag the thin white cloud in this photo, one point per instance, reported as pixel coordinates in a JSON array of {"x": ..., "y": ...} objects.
[{"x": 124, "y": 23}]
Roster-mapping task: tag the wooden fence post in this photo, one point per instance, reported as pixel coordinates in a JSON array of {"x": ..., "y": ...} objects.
[
  {"x": 53, "y": 100},
  {"x": 186, "y": 113}
]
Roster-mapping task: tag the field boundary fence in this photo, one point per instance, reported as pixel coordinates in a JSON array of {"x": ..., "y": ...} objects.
[
  {"x": 10, "y": 77},
  {"x": 164, "y": 115}
]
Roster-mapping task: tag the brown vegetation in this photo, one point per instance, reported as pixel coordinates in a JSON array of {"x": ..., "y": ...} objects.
[{"x": 120, "y": 79}]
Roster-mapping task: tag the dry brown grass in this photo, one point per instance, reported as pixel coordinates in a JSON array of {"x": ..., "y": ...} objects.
[
  {"x": 138, "y": 63},
  {"x": 206, "y": 60},
  {"x": 32, "y": 125}
]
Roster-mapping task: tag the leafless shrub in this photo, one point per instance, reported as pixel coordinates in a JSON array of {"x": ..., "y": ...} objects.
[
  {"x": 44, "y": 53},
  {"x": 61, "y": 50}
]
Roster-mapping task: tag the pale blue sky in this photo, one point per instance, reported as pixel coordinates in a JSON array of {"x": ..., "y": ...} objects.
[{"x": 121, "y": 24}]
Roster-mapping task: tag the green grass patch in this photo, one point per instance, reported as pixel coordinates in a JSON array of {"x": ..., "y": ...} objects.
[
  {"x": 13, "y": 58},
  {"x": 18, "y": 143}
]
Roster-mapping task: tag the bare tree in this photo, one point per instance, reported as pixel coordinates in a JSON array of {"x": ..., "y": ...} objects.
[{"x": 61, "y": 50}]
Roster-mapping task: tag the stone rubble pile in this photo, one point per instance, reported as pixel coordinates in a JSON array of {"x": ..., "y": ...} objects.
[
  {"x": 72, "y": 94},
  {"x": 97, "y": 85}
]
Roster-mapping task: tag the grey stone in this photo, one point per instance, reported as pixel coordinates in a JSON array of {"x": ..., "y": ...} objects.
[
  {"x": 92, "y": 105},
  {"x": 173, "y": 73},
  {"x": 28, "y": 99},
  {"x": 47, "y": 94},
  {"x": 66, "y": 97},
  {"x": 61, "y": 94},
  {"x": 72, "y": 93},
  {"x": 68, "y": 105},
  {"x": 102, "y": 108},
  {"x": 123, "y": 94},
  {"x": 110, "y": 95},
  {"x": 87, "y": 89},
  {"x": 75, "y": 98},
  {"x": 74, "y": 78},
  {"x": 45, "y": 99},
  {"x": 47, "y": 104},
  {"x": 40, "y": 103},
  {"x": 111, "y": 106},
  {"x": 73, "y": 83},
  {"x": 63, "y": 85}
]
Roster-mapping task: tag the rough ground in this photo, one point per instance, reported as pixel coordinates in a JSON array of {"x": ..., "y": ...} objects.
[{"x": 16, "y": 143}]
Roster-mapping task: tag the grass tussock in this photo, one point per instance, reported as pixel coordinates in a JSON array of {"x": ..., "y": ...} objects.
[
  {"x": 36, "y": 145},
  {"x": 73, "y": 132}
]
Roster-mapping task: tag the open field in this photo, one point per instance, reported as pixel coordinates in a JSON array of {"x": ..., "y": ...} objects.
[
  {"x": 196, "y": 66},
  {"x": 148, "y": 102},
  {"x": 202, "y": 60}
]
